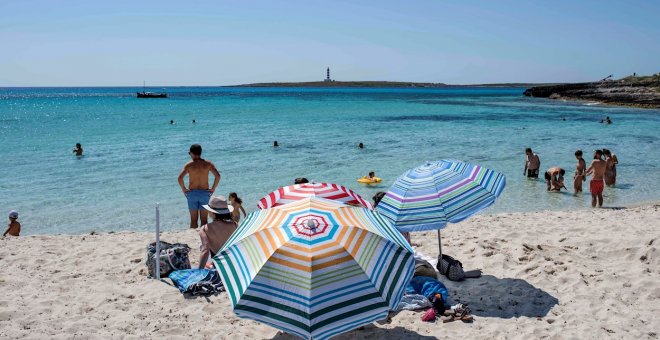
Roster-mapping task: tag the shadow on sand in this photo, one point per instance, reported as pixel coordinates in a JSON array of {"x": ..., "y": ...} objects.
[
  {"x": 490, "y": 296},
  {"x": 368, "y": 332}
]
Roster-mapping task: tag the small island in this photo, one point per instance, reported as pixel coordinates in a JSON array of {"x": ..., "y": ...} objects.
[
  {"x": 637, "y": 91},
  {"x": 334, "y": 83}
]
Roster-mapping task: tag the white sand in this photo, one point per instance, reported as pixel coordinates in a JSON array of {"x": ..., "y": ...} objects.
[{"x": 581, "y": 274}]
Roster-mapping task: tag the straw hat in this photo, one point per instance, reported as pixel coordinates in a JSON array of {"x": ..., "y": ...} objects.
[{"x": 218, "y": 205}]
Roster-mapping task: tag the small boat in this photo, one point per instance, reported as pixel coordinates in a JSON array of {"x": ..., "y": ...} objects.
[{"x": 145, "y": 94}]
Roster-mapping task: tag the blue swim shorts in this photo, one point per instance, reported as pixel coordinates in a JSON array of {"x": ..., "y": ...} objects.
[{"x": 197, "y": 198}]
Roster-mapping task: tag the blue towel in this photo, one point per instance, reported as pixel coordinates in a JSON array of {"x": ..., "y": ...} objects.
[
  {"x": 426, "y": 286},
  {"x": 197, "y": 281}
]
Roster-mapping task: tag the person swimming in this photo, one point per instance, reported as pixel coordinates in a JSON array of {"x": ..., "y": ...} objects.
[
  {"x": 78, "y": 150},
  {"x": 275, "y": 144},
  {"x": 360, "y": 146}
]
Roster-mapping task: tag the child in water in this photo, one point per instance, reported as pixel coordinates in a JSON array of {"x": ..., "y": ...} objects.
[
  {"x": 579, "y": 176},
  {"x": 13, "y": 228},
  {"x": 237, "y": 203}
]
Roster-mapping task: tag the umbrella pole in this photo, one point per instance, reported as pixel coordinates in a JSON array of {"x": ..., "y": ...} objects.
[
  {"x": 439, "y": 246},
  {"x": 157, "y": 242}
]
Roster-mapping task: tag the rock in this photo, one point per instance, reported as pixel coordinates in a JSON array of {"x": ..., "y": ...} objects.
[{"x": 631, "y": 91}]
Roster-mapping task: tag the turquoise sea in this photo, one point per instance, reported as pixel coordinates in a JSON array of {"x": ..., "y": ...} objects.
[{"x": 133, "y": 154}]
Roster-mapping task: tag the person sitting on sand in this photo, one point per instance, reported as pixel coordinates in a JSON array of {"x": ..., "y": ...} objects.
[
  {"x": 78, "y": 150},
  {"x": 237, "y": 203},
  {"x": 579, "y": 176},
  {"x": 554, "y": 178},
  {"x": 597, "y": 169},
  {"x": 300, "y": 180},
  {"x": 214, "y": 235},
  {"x": 532, "y": 164},
  {"x": 14, "y": 227},
  {"x": 610, "y": 173}
]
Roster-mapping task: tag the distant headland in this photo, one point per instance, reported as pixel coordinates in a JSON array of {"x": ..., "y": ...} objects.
[{"x": 637, "y": 91}]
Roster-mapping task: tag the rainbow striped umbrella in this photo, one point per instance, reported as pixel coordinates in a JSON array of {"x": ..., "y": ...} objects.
[
  {"x": 315, "y": 268},
  {"x": 297, "y": 192},
  {"x": 430, "y": 195}
]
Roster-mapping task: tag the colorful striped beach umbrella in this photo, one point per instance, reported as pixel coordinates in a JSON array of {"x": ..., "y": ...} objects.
[
  {"x": 315, "y": 268},
  {"x": 430, "y": 195},
  {"x": 297, "y": 192}
]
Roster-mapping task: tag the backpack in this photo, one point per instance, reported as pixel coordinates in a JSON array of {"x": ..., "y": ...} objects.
[
  {"x": 173, "y": 256},
  {"x": 451, "y": 268}
]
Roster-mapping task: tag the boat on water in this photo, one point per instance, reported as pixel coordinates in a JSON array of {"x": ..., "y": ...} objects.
[{"x": 145, "y": 94}]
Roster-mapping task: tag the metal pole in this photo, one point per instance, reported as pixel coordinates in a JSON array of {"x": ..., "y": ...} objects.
[
  {"x": 439, "y": 247},
  {"x": 157, "y": 241}
]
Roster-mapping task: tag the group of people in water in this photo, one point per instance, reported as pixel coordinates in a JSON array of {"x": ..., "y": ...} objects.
[{"x": 602, "y": 169}]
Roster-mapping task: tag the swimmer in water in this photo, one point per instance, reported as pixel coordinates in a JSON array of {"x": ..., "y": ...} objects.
[
  {"x": 275, "y": 144},
  {"x": 78, "y": 150},
  {"x": 360, "y": 146}
]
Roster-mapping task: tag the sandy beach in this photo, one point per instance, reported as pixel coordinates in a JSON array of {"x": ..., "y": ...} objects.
[{"x": 580, "y": 274}]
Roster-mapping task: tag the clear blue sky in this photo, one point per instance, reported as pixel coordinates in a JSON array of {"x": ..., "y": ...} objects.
[{"x": 94, "y": 43}]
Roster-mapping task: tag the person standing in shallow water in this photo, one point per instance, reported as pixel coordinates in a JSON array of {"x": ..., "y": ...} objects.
[
  {"x": 579, "y": 176},
  {"x": 532, "y": 164},
  {"x": 610, "y": 173},
  {"x": 198, "y": 191},
  {"x": 78, "y": 150},
  {"x": 597, "y": 170}
]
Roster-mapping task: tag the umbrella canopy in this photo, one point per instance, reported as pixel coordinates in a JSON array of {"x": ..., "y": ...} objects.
[
  {"x": 430, "y": 195},
  {"x": 297, "y": 192},
  {"x": 315, "y": 268}
]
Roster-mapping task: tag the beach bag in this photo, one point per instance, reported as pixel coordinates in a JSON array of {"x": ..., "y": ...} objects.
[
  {"x": 451, "y": 268},
  {"x": 173, "y": 256},
  {"x": 197, "y": 281}
]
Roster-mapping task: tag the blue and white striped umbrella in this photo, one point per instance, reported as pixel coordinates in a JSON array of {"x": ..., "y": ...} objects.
[{"x": 430, "y": 195}]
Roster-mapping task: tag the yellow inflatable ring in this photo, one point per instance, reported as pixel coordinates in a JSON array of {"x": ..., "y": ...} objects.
[{"x": 368, "y": 180}]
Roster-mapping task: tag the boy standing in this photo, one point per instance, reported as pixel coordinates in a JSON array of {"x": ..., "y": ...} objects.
[
  {"x": 532, "y": 164},
  {"x": 597, "y": 168},
  {"x": 13, "y": 228}
]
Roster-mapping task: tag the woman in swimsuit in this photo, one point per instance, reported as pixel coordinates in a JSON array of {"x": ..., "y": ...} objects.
[
  {"x": 610, "y": 172},
  {"x": 579, "y": 176}
]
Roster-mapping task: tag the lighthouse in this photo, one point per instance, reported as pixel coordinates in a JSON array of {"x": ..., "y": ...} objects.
[{"x": 327, "y": 75}]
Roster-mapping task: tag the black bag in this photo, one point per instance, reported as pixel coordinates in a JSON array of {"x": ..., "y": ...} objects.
[
  {"x": 451, "y": 268},
  {"x": 173, "y": 256}
]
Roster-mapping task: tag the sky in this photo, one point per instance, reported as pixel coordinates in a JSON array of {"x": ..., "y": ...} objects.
[{"x": 207, "y": 43}]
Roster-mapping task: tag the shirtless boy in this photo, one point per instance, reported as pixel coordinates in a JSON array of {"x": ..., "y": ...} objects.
[
  {"x": 532, "y": 164},
  {"x": 597, "y": 169},
  {"x": 14, "y": 227},
  {"x": 198, "y": 191},
  {"x": 555, "y": 176},
  {"x": 579, "y": 176}
]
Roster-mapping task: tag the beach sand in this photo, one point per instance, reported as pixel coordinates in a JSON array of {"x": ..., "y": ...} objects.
[{"x": 580, "y": 274}]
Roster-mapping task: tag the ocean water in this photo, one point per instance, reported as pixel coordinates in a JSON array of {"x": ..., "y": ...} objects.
[{"x": 133, "y": 155}]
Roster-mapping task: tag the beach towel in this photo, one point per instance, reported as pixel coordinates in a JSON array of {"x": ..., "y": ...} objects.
[
  {"x": 197, "y": 281},
  {"x": 413, "y": 302}
]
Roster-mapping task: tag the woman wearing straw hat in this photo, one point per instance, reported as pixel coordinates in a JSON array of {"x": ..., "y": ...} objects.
[{"x": 214, "y": 235}]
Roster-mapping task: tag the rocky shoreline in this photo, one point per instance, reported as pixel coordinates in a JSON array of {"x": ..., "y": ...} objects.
[{"x": 631, "y": 91}]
